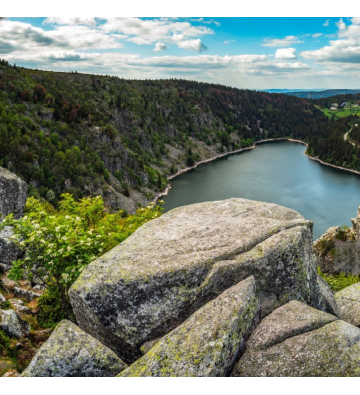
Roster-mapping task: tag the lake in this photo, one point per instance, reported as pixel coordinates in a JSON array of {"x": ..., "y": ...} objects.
[{"x": 276, "y": 172}]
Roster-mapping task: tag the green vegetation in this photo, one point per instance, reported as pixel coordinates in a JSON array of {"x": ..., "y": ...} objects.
[
  {"x": 340, "y": 281},
  {"x": 342, "y": 112},
  {"x": 61, "y": 243},
  {"x": 89, "y": 134}
]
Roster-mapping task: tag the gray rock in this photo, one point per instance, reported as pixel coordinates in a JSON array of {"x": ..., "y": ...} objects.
[
  {"x": 70, "y": 352},
  {"x": 16, "y": 301},
  {"x": 328, "y": 296},
  {"x": 173, "y": 265},
  {"x": 348, "y": 301},
  {"x": 297, "y": 340},
  {"x": 8, "y": 284},
  {"x": 23, "y": 293},
  {"x": 207, "y": 343},
  {"x": 9, "y": 252},
  {"x": 2, "y": 299},
  {"x": 13, "y": 193},
  {"x": 22, "y": 309},
  {"x": 4, "y": 267},
  {"x": 12, "y": 324}
]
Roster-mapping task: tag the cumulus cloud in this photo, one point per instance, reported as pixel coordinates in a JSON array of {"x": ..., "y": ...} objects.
[
  {"x": 160, "y": 47},
  {"x": 154, "y": 30},
  {"x": 345, "y": 49},
  {"x": 285, "y": 53},
  {"x": 192, "y": 45},
  {"x": 90, "y": 21},
  {"x": 283, "y": 42},
  {"x": 341, "y": 24},
  {"x": 326, "y": 22}
]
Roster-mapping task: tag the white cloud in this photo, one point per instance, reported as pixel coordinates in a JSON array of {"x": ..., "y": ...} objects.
[
  {"x": 316, "y": 35},
  {"x": 345, "y": 49},
  {"x": 192, "y": 45},
  {"x": 326, "y": 22},
  {"x": 341, "y": 24},
  {"x": 284, "y": 42},
  {"x": 160, "y": 47},
  {"x": 90, "y": 21},
  {"x": 142, "y": 31},
  {"x": 228, "y": 41},
  {"x": 285, "y": 53}
]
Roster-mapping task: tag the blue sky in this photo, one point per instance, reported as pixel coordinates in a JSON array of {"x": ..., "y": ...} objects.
[{"x": 254, "y": 53}]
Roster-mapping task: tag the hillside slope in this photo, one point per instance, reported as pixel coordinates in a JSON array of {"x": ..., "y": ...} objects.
[{"x": 90, "y": 134}]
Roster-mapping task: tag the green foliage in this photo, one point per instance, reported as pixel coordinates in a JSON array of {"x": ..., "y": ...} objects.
[
  {"x": 337, "y": 282},
  {"x": 50, "y": 310},
  {"x": 61, "y": 243},
  {"x": 190, "y": 161}
]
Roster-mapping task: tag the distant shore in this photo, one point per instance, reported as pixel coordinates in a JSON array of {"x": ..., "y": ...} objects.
[{"x": 168, "y": 187}]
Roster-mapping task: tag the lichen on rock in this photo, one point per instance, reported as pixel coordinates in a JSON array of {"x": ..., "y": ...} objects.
[
  {"x": 173, "y": 265},
  {"x": 70, "y": 352},
  {"x": 207, "y": 343},
  {"x": 297, "y": 341},
  {"x": 348, "y": 300}
]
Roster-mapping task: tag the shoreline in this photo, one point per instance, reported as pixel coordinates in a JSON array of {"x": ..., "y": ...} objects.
[{"x": 168, "y": 187}]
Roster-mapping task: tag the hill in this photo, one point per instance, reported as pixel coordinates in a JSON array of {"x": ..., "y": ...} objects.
[
  {"x": 90, "y": 134},
  {"x": 323, "y": 94}
]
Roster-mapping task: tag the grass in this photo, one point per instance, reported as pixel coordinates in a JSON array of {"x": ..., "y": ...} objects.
[
  {"x": 342, "y": 113},
  {"x": 340, "y": 281}
]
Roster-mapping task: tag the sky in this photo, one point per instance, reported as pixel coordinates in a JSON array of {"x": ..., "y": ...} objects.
[{"x": 252, "y": 53}]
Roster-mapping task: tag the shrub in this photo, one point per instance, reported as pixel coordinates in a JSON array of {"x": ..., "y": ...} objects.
[
  {"x": 60, "y": 243},
  {"x": 337, "y": 282}
]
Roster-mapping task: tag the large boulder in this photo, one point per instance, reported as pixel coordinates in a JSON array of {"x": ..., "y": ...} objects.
[
  {"x": 70, "y": 352},
  {"x": 208, "y": 342},
  {"x": 348, "y": 301},
  {"x": 328, "y": 296},
  {"x": 173, "y": 265},
  {"x": 297, "y": 340},
  {"x": 12, "y": 324},
  {"x": 13, "y": 193},
  {"x": 9, "y": 251}
]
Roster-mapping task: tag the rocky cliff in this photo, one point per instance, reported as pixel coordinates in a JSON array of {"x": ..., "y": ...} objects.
[
  {"x": 212, "y": 289},
  {"x": 338, "y": 249}
]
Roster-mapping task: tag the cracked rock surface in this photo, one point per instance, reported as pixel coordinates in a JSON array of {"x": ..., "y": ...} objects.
[
  {"x": 13, "y": 193},
  {"x": 70, "y": 352},
  {"x": 348, "y": 301},
  {"x": 298, "y": 341},
  {"x": 207, "y": 343},
  {"x": 173, "y": 265}
]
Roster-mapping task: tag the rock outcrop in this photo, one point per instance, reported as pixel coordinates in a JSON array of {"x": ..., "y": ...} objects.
[
  {"x": 70, "y": 352},
  {"x": 174, "y": 265},
  {"x": 13, "y": 193},
  {"x": 208, "y": 342},
  {"x": 348, "y": 301},
  {"x": 297, "y": 340},
  {"x": 338, "y": 249},
  {"x": 12, "y": 324},
  {"x": 8, "y": 250}
]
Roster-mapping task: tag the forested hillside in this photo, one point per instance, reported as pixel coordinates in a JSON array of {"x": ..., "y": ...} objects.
[{"x": 90, "y": 134}]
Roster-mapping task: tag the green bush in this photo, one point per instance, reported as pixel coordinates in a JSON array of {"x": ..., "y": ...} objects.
[
  {"x": 337, "y": 282},
  {"x": 50, "y": 310},
  {"x": 60, "y": 243}
]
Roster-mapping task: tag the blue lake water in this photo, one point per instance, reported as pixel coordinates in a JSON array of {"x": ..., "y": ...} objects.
[{"x": 276, "y": 172}]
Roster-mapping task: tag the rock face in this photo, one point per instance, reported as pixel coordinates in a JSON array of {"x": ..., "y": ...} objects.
[
  {"x": 328, "y": 295},
  {"x": 173, "y": 265},
  {"x": 70, "y": 352},
  {"x": 297, "y": 340},
  {"x": 13, "y": 193},
  {"x": 12, "y": 324},
  {"x": 8, "y": 250},
  {"x": 208, "y": 342},
  {"x": 338, "y": 249},
  {"x": 348, "y": 301}
]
